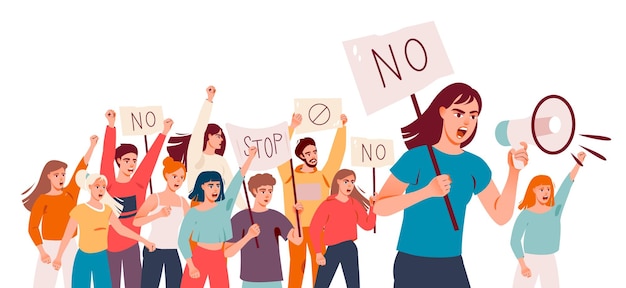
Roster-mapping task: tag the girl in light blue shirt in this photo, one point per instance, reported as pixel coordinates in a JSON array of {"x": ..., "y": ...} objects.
[
  {"x": 208, "y": 224},
  {"x": 540, "y": 225}
]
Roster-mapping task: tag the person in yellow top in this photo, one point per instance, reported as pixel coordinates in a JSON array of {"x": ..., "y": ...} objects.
[
  {"x": 92, "y": 219},
  {"x": 312, "y": 188}
]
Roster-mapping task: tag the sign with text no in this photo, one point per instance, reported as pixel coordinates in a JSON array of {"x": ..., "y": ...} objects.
[
  {"x": 371, "y": 152},
  {"x": 393, "y": 66},
  {"x": 141, "y": 120}
]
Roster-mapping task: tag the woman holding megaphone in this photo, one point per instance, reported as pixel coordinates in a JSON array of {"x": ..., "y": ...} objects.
[{"x": 429, "y": 246}]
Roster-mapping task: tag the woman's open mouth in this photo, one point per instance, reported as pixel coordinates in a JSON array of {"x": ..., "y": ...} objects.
[{"x": 461, "y": 132}]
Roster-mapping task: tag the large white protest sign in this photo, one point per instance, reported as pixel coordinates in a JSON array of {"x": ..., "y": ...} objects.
[
  {"x": 393, "y": 66},
  {"x": 318, "y": 114},
  {"x": 141, "y": 120},
  {"x": 272, "y": 145},
  {"x": 371, "y": 152}
]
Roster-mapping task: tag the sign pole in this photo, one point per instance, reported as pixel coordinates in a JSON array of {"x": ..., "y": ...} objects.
[
  {"x": 145, "y": 141},
  {"x": 436, "y": 166},
  {"x": 245, "y": 190},
  {"x": 374, "y": 187},
  {"x": 295, "y": 196}
]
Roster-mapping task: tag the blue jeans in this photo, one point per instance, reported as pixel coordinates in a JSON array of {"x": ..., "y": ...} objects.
[{"x": 87, "y": 263}]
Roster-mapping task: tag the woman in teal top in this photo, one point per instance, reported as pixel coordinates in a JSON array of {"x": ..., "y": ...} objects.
[
  {"x": 209, "y": 225},
  {"x": 540, "y": 224},
  {"x": 429, "y": 248}
]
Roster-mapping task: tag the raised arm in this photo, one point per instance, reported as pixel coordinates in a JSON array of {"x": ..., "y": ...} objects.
[
  {"x": 246, "y": 165},
  {"x": 196, "y": 142},
  {"x": 67, "y": 235},
  {"x": 285, "y": 169},
  {"x": 561, "y": 195},
  {"x": 337, "y": 151},
  {"x": 235, "y": 184},
  {"x": 145, "y": 169},
  {"x": 72, "y": 188},
  {"x": 581, "y": 158},
  {"x": 500, "y": 206},
  {"x": 108, "y": 148}
]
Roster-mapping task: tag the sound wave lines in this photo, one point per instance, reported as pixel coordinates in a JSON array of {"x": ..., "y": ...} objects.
[
  {"x": 597, "y": 137},
  {"x": 594, "y": 153}
]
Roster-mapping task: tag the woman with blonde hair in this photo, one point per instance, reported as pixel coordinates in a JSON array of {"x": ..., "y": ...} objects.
[
  {"x": 540, "y": 225},
  {"x": 93, "y": 219},
  {"x": 164, "y": 211},
  {"x": 50, "y": 204}
]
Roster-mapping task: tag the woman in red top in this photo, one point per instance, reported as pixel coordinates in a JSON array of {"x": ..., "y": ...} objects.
[{"x": 338, "y": 217}]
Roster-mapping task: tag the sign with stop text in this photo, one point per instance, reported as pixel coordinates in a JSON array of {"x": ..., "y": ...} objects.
[
  {"x": 318, "y": 114},
  {"x": 272, "y": 145},
  {"x": 390, "y": 67},
  {"x": 371, "y": 152},
  {"x": 141, "y": 120}
]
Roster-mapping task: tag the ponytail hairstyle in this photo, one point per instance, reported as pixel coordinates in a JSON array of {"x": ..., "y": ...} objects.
[
  {"x": 170, "y": 166},
  {"x": 43, "y": 185},
  {"x": 84, "y": 180},
  {"x": 357, "y": 194}
]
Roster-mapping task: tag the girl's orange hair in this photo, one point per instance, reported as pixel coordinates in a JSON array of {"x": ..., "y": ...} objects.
[{"x": 530, "y": 197}]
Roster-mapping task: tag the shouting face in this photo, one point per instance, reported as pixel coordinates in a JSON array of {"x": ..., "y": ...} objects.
[
  {"x": 346, "y": 185},
  {"x": 459, "y": 121},
  {"x": 57, "y": 178},
  {"x": 97, "y": 189},
  {"x": 127, "y": 163},
  {"x": 175, "y": 179},
  {"x": 211, "y": 190},
  {"x": 543, "y": 194}
]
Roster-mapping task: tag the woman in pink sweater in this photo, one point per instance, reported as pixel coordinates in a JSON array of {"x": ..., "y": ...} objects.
[{"x": 338, "y": 216}]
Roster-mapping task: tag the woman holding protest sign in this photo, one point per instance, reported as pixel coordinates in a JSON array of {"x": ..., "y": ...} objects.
[
  {"x": 429, "y": 252},
  {"x": 337, "y": 219}
]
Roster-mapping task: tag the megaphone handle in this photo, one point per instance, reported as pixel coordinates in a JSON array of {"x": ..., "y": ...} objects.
[{"x": 517, "y": 163}]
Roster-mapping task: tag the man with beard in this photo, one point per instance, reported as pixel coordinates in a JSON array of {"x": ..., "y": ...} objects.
[{"x": 312, "y": 187}]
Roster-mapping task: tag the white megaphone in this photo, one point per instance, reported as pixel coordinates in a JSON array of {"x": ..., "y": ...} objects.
[{"x": 551, "y": 128}]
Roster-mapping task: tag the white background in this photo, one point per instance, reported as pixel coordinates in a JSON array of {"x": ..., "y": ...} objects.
[{"x": 63, "y": 64}]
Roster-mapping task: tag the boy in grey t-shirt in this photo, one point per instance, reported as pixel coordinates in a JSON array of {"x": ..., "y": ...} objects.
[{"x": 272, "y": 225}]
